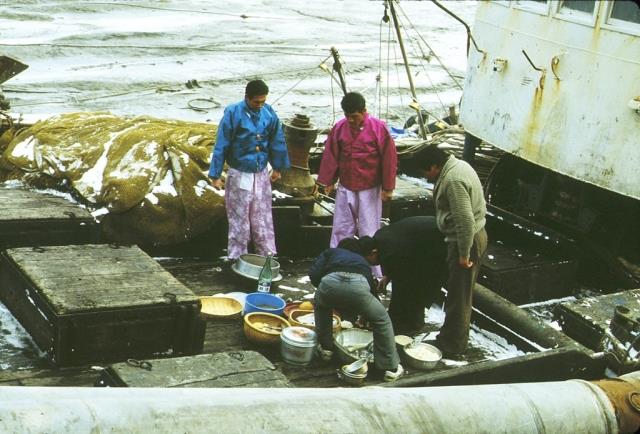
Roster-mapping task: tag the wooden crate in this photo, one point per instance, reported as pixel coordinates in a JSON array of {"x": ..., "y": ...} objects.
[
  {"x": 225, "y": 369},
  {"x": 96, "y": 303},
  {"x": 31, "y": 218},
  {"x": 586, "y": 320}
]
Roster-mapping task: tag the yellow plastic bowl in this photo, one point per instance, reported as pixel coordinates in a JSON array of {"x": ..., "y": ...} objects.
[
  {"x": 220, "y": 307},
  {"x": 264, "y": 328}
]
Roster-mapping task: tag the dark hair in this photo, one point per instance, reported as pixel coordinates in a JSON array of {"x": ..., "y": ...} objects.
[
  {"x": 367, "y": 245},
  {"x": 353, "y": 102},
  {"x": 350, "y": 244},
  {"x": 256, "y": 88},
  {"x": 432, "y": 155}
]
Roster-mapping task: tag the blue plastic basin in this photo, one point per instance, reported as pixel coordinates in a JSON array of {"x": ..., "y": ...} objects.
[{"x": 264, "y": 302}]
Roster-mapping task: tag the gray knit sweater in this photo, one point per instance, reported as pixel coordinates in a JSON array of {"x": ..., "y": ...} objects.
[{"x": 460, "y": 204}]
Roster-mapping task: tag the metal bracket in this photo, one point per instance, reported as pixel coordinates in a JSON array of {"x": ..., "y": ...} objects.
[{"x": 142, "y": 364}]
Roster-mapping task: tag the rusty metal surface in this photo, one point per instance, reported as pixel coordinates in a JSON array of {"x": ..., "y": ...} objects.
[
  {"x": 625, "y": 398},
  {"x": 556, "y": 92}
]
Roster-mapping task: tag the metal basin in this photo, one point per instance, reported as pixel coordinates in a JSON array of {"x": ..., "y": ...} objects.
[
  {"x": 422, "y": 356},
  {"x": 250, "y": 265},
  {"x": 352, "y": 344},
  {"x": 354, "y": 379}
]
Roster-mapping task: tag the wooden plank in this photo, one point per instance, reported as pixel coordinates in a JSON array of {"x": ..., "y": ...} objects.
[
  {"x": 89, "y": 266},
  {"x": 41, "y": 202},
  {"x": 74, "y": 252},
  {"x": 92, "y": 277},
  {"x": 33, "y": 218},
  {"x": 6, "y": 192},
  {"x": 29, "y": 205},
  {"x": 72, "y": 377},
  {"x": 40, "y": 214},
  {"x": 225, "y": 369},
  {"x": 109, "y": 297}
]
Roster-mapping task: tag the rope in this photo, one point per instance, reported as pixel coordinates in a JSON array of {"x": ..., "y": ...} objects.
[
  {"x": 333, "y": 103},
  {"x": 311, "y": 71},
  {"x": 466, "y": 26},
  {"x": 397, "y": 63},
  {"x": 213, "y": 104},
  {"x": 431, "y": 50},
  {"x": 413, "y": 42},
  {"x": 379, "y": 76},
  {"x": 436, "y": 138},
  {"x": 146, "y": 89},
  {"x": 388, "y": 69}
]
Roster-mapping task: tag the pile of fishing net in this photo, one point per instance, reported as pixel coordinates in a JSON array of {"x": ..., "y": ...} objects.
[{"x": 147, "y": 176}]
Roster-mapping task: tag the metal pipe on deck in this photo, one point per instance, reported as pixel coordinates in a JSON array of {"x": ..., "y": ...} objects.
[
  {"x": 569, "y": 406},
  {"x": 503, "y": 311}
]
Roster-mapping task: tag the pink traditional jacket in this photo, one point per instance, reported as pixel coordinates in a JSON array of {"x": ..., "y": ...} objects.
[{"x": 365, "y": 161}]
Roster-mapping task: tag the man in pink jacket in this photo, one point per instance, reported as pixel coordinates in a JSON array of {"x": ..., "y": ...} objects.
[{"x": 361, "y": 155}]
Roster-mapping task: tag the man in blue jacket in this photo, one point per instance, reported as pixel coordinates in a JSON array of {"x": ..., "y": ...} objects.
[{"x": 249, "y": 136}]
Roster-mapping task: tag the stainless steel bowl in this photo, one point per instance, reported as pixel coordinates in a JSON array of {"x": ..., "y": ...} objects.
[
  {"x": 250, "y": 265},
  {"x": 352, "y": 344},
  {"x": 355, "y": 379},
  {"x": 422, "y": 356},
  {"x": 357, "y": 367}
]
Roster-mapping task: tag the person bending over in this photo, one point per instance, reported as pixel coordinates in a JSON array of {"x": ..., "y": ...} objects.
[{"x": 344, "y": 281}]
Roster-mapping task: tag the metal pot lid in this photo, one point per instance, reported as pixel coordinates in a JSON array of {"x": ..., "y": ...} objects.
[{"x": 299, "y": 334}]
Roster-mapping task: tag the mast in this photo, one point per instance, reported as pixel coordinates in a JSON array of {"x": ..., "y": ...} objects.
[
  {"x": 423, "y": 131},
  {"x": 337, "y": 67}
]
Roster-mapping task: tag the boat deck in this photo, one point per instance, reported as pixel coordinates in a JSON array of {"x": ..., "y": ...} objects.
[{"x": 205, "y": 277}]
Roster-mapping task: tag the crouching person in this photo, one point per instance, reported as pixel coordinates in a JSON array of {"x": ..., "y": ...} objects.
[{"x": 344, "y": 282}]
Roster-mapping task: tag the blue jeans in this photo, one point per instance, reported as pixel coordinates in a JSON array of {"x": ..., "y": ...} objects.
[{"x": 350, "y": 292}]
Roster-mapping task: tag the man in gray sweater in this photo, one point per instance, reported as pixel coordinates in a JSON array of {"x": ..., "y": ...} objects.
[{"x": 461, "y": 215}]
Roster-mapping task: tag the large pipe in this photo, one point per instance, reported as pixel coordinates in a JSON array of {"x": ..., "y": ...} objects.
[
  {"x": 503, "y": 311},
  {"x": 569, "y": 406}
]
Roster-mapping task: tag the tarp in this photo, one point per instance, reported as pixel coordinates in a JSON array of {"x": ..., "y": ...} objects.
[{"x": 149, "y": 174}]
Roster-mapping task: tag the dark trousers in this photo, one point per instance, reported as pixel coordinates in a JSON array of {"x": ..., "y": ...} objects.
[
  {"x": 412, "y": 293},
  {"x": 350, "y": 291},
  {"x": 454, "y": 334}
]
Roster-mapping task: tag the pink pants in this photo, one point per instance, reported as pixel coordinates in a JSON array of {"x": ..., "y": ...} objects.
[
  {"x": 356, "y": 213},
  {"x": 248, "y": 204}
]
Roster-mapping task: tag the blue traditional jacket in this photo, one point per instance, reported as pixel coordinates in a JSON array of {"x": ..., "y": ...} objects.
[{"x": 248, "y": 139}]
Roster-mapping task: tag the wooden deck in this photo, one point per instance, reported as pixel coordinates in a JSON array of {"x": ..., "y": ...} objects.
[
  {"x": 208, "y": 278},
  {"x": 95, "y": 302},
  {"x": 31, "y": 218}
]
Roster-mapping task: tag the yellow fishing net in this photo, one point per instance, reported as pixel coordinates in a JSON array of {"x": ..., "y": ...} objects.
[{"x": 149, "y": 174}]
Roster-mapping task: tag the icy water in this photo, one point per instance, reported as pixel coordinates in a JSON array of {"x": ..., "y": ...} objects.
[
  {"x": 142, "y": 57},
  {"x": 136, "y": 57}
]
